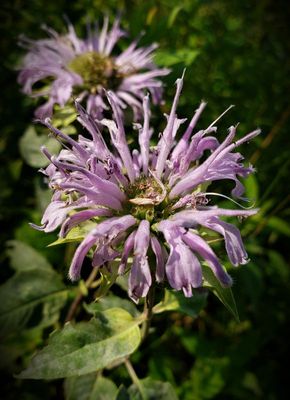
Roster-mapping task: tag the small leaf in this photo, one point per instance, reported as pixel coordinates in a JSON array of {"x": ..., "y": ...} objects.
[
  {"x": 252, "y": 188},
  {"x": 89, "y": 387},
  {"x": 152, "y": 390},
  {"x": 180, "y": 56},
  {"x": 30, "y": 144},
  {"x": 108, "y": 278},
  {"x": 63, "y": 117},
  {"x": 175, "y": 301},
  {"x": 86, "y": 346},
  {"x": 76, "y": 234},
  {"x": 225, "y": 295}
]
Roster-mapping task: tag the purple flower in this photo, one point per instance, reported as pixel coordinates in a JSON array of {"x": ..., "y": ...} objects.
[
  {"x": 149, "y": 208},
  {"x": 68, "y": 66}
]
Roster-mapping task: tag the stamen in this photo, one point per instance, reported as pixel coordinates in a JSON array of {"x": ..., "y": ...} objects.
[{"x": 226, "y": 197}]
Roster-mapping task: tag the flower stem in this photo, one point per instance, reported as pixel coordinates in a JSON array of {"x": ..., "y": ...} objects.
[
  {"x": 134, "y": 377},
  {"x": 80, "y": 295},
  {"x": 148, "y": 307}
]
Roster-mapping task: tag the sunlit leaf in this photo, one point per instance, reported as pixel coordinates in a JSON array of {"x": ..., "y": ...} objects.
[
  {"x": 76, "y": 234},
  {"x": 170, "y": 58},
  {"x": 86, "y": 346},
  {"x": 111, "y": 301}
]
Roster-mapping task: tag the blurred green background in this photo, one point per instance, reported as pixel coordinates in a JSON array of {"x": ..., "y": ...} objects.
[{"x": 235, "y": 52}]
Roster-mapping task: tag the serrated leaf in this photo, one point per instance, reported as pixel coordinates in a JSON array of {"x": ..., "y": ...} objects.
[
  {"x": 86, "y": 346},
  {"x": 24, "y": 257},
  {"x": 175, "y": 301},
  {"x": 89, "y": 387},
  {"x": 30, "y": 144},
  {"x": 225, "y": 295},
  {"x": 152, "y": 390}
]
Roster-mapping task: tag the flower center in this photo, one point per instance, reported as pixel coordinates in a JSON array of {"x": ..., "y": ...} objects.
[
  {"x": 97, "y": 71},
  {"x": 145, "y": 197}
]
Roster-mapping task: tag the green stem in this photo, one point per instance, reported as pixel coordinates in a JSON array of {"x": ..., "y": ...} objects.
[
  {"x": 80, "y": 295},
  {"x": 148, "y": 307},
  {"x": 134, "y": 377}
]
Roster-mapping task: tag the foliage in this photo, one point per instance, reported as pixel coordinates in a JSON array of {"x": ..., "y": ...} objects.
[{"x": 234, "y": 53}]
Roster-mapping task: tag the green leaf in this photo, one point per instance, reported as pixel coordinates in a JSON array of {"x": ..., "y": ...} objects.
[
  {"x": 279, "y": 225},
  {"x": 180, "y": 56},
  {"x": 76, "y": 234},
  {"x": 86, "y": 346},
  {"x": 225, "y": 295},
  {"x": 89, "y": 387},
  {"x": 63, "y": 117},
  {"x": 152, "y": 390},
  {"x": 175, "y": 301},
  {"x": 34, "y": 285},
  {"x": 111, "y": 301},
  {"x": 207, "y": 378},
  {"x": 252, "y": 188},
  {"x": 30, "y": 144},
  {"x": 24, "y": 257},
  {"x": 25, "y": 291}
]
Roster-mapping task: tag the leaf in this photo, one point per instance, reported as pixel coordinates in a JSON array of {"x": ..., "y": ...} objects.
[
  {"x": 152, "y": 390},
  {"x": 252, "y": 188},
  {"x": 24, "y": 257},
  {"x": 86, "y": 346},
  {"x": 30, "y": 144},
  {"x": 35, "y": 285},
  {"x": 180, "y": 56},
  {"x": 174, "y": 13},
  {"x": 89, "y": 387},
  {"x": 175, "y": 301},
  {"x": 76, "y": 234},
  {"x": 19, "y": 344},
  {"x": 225, "y": 295},
  {"x": 63, "y": 117},
  {"x": 279, "y": 225},
  {"x": 111, "y": 301},
  {"x": 108, "y": 278},
  {"x": 207, "y": 378},
  {"x": 25, "y": 291}
]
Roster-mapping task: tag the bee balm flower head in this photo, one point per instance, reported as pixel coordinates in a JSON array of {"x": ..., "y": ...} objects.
[
  {"x": 149, "y": 203},
  {"x": 66, "y": 65}
]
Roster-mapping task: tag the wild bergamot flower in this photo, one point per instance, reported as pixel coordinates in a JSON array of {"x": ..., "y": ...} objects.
[
  {"x": 147, "y": 203},
  {"x": 65, "y": 65}
]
